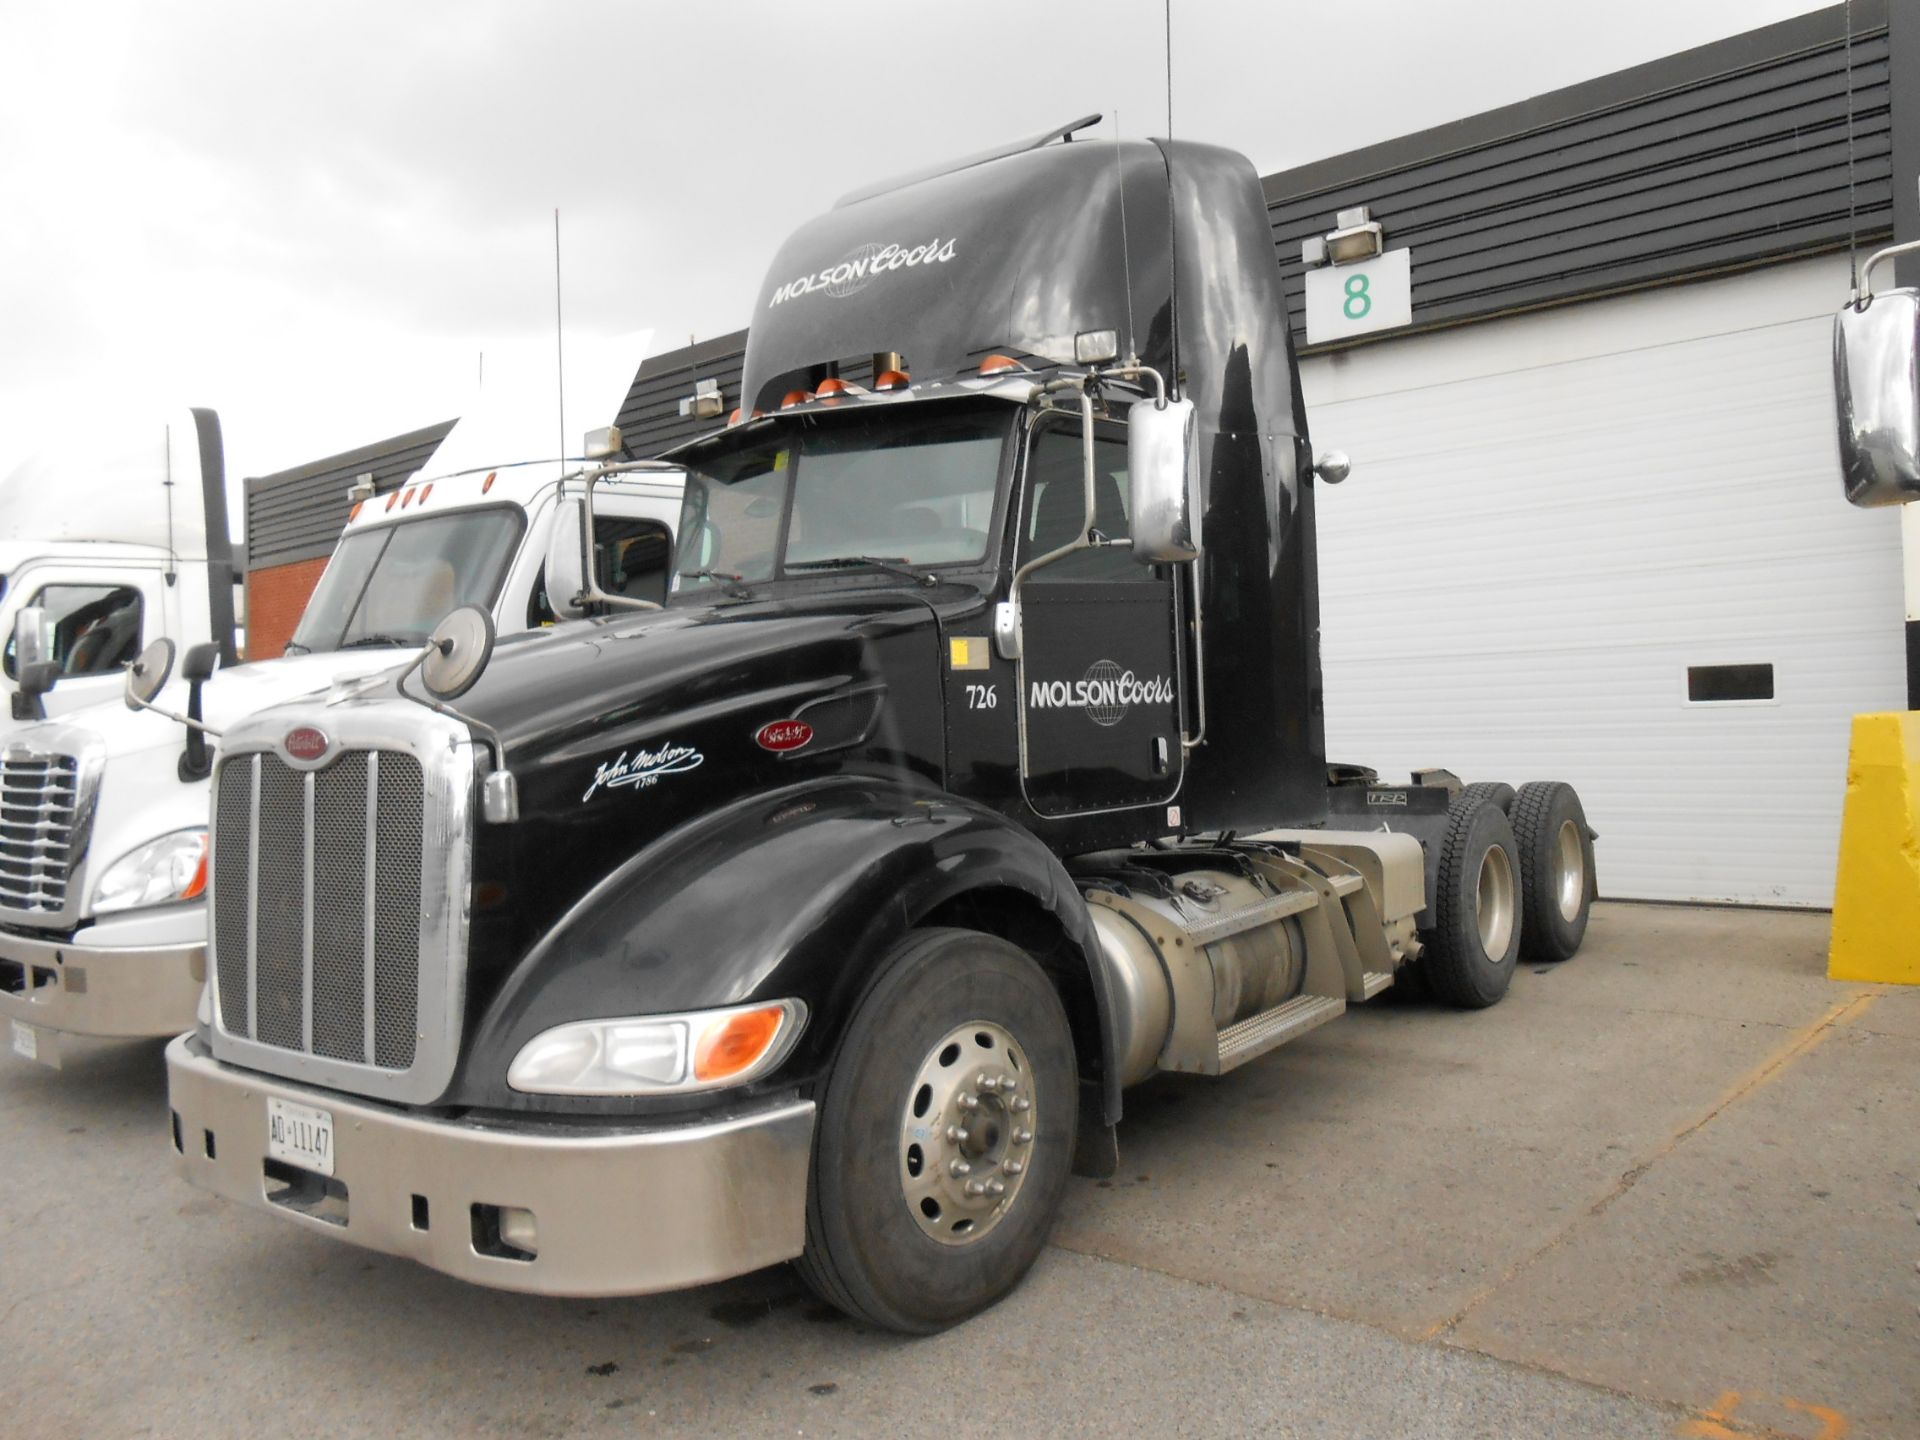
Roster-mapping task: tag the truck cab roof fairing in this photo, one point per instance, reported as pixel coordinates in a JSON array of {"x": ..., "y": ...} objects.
[{"x": 1017, "y": 253}]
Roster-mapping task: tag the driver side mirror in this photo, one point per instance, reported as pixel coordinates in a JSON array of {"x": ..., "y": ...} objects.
[
  {"x": 567, "y": 559},
  {"x": 1162, "y": 459},
  {"x": 1876, "y": 342},
  {"x": 30, "y": 639}
]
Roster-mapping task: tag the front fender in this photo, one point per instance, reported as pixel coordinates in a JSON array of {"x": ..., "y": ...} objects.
[{"x": 792, "y": 893}]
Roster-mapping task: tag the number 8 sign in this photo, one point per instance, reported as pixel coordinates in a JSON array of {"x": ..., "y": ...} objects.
[{"x": 1348, "y": 300}]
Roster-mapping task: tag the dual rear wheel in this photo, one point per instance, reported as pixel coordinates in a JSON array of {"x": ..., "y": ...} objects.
[{"x": 1515, "y": 881}]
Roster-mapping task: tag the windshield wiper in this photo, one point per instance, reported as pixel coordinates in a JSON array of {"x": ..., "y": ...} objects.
[
  {"x": 736, "y": 590},
  {"x": 294, "y": 647},
  {"x": 872, "y": 562},
  {"x": 364, "y": 641}
]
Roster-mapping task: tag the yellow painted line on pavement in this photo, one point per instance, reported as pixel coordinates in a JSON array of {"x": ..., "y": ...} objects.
[{"x": 1798, "y": 1044}]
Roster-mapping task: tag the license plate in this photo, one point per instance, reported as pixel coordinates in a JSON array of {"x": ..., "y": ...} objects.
[
  {"x": 300, "y": 1135},
  {"x": 26, "y": 1041}
]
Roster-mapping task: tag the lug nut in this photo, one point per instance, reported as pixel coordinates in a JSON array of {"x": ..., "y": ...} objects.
[
  {"x": 986, "y": 1081},
  {"x": 969, "y": 1102},
  {"x": 1013, "y": 1167},
  {"x": 1009, "y": 1084},
  {"x": 959, "y": 1168},
  {"x": 976, "y": 1187},
  {"x": 1023, "y": 1103},
  {"x": 1023, "y": 1137},
  {"x": 996, "y": 1187},
  {"x": 956, "y": 1135}
]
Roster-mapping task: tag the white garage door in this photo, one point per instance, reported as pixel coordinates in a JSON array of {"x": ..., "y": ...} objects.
[{"x": 1552, "y": 518}]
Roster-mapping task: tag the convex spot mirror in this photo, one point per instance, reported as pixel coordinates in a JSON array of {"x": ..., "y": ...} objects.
[
  {"x": 1162, "y": 460},
  {"x": 457, "y": 653},
  {"x": 566, "y": 558},
  {"x": 148, "y": 673},
  {"x": 1876, "y": 384}
]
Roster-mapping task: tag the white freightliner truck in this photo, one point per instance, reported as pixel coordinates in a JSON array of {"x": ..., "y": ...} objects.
[{"x": 103, "y": 822}]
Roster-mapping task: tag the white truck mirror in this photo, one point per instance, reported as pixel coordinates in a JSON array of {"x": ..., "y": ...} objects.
[
  {"x": 30, "y": 638},
  {"x": 567, "y": 558},
  {"x": 1162, "y": 458}
]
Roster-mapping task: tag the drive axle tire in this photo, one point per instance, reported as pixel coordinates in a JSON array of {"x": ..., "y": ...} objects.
[
  {"x": 1556, "y": 869},
  {"x": 944, "y": 1136},
  {"x": 1498, "y": 791},
  {"x": 1475, "y": 940}
]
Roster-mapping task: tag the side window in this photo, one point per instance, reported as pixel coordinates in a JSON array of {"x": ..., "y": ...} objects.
[
  {"x": 630, "y": 557},
  {"x": 1055, "y": 506},
  {"x": 96, "y": 628}
]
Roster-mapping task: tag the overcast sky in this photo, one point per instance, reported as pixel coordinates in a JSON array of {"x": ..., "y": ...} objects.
[{"x": 314, "y": 217}]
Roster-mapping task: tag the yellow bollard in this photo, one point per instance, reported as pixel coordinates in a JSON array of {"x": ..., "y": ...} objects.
[{"x": 1876, "y": 900}]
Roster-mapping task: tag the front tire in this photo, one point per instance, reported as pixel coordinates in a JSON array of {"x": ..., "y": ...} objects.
[
  {"x": 1474, "y": 944},
  {"x": 945, "y": 1135}
]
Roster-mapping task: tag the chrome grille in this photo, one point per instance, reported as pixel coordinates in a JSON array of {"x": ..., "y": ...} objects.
[
  {"x": 40, "y": 838},
  {"x": 317, "y": 904}
]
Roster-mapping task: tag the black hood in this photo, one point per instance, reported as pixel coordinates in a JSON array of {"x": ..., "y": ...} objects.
[{"x": 618, "y": 731}]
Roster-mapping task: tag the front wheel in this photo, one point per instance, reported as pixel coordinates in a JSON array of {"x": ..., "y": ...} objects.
[{"x": 945, "y": 1135}]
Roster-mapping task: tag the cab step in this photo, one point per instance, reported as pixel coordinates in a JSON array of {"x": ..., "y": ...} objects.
[
  {"x": 1260, "y": 1033},
  {"x": 1372, "y": 982}
]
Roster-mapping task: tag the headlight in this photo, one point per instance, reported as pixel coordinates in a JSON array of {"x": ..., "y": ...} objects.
[
  {"x": 169, "y": 869},
  {"x": 658, "y": 1054}
]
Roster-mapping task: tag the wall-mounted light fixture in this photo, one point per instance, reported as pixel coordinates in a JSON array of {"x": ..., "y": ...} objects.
[
  {"x": 361, "y": 488},
  {"x": 1355, "y": 236},
  {"x": 706, "y": 402}
]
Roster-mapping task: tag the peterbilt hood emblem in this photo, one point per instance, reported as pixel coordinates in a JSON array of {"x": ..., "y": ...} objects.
[
  {"x": 861, "y": 267},
  {"x": 784, "y": 735},
  {"x": 306, "y": 742}
]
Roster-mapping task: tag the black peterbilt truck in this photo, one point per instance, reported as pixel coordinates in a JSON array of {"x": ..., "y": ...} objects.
[{"x": 972, "y": 771}]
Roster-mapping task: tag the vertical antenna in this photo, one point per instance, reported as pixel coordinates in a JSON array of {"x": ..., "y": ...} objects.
[
  {"x": 1173, "y": 229},
  {"x": 559, "y": 336},
  {"x": 1853, "y": 239},
  {"x": 1126, "y": 263}
]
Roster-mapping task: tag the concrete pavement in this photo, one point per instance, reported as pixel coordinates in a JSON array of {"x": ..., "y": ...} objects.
[{"x": 1665, "y": 1189}]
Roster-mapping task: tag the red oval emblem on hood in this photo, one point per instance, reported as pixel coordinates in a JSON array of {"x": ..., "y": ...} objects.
[
  {"x": 784, "y": 735},
  {"x": 304, "y": 742}
]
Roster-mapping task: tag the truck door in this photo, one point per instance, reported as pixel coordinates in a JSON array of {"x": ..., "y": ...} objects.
[
  {"x": 1100, "y": 669},
  {"x": 98, "y": 622}
]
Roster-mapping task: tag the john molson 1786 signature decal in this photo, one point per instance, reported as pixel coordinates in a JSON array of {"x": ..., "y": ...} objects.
[{"x": 643, "y": 767}]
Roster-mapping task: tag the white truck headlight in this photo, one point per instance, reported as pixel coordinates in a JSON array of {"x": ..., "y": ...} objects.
[
  {"x": 161, "y": 872},
  {"x": 658, "y": 1054}
]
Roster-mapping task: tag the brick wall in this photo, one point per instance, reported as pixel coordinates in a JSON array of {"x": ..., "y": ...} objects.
[{"x": 276, "y": 598}]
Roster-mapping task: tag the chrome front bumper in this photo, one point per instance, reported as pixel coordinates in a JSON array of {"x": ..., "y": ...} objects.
[
  {"x": 55, "y": 988},
  {"x": 618, "y": 1211}
]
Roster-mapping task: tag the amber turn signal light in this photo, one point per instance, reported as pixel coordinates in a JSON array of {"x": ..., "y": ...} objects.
[{"x": 732, "y": 1047}]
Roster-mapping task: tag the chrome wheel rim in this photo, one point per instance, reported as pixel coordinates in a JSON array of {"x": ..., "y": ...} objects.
[
  {"x": 1569, "y": 871},
  {"x": 1493, "y": 907},
  {"x": 966, "y": 1133}
]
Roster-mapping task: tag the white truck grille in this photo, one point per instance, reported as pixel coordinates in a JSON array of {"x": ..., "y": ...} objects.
[{"x": 40, "y": 837}]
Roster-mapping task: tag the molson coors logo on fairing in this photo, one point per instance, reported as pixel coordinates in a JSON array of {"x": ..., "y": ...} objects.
[{"x": 862, "y": 267}]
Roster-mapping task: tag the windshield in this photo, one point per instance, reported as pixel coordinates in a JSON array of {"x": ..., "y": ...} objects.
[
  {"x": 393, "y": 584},
  {"x": 901, "y": 484}
]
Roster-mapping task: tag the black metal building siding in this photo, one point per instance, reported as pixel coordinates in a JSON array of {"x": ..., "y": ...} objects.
[
  {"x": 298, "y": 514},
  {"x": 1727, "y": 156},
  {"x": 650, "y": 420}
]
